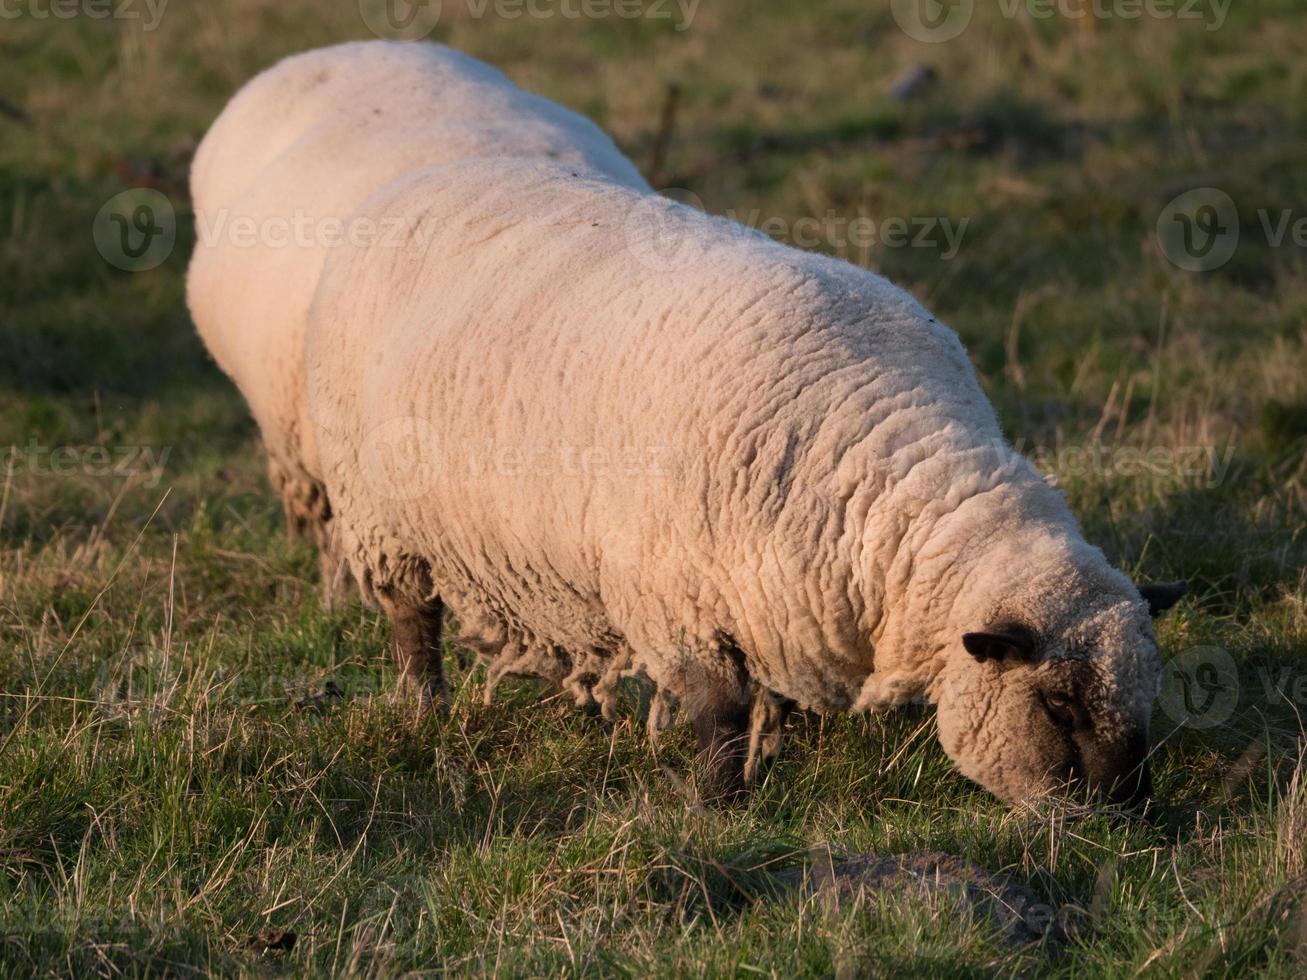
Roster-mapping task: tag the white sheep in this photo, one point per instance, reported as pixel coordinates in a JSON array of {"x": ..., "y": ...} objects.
[
  {"x": 618, "y": 436},
  {"x": 295, "y": 152}
]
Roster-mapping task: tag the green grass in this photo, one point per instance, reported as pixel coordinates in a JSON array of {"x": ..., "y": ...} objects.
[{"x": 163, "y": 801}]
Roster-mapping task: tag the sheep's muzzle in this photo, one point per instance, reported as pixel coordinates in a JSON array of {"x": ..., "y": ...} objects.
[{"x": 1119, "y": 770}]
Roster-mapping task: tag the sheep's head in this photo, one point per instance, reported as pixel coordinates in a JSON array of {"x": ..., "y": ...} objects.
[{"x": 1032, "y": 707}]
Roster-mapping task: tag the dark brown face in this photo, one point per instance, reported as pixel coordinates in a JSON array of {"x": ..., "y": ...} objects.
[{"x": 1092, "y": 746}]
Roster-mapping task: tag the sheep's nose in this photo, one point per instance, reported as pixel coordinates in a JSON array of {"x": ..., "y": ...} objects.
[
  {"x": 1135, "y": 789},
  {"x": 1132, "y": 786},
  {"x": 1118, "y": 770}
]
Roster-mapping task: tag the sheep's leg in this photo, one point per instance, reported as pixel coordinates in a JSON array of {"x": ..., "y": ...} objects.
[
  {"x": 333, "y": 569},
  {"x": 766, "y": 723},
  {"x": 299, "y": 517},
  {"x": 308, "y": 517},
  {"x": 415, "y": 634},
  {"x": 721, "y": 727}
]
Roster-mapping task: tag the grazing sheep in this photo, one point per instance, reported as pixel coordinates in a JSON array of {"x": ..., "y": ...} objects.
[
  {"x": 293, "y": 154},
  {"x": 620, "y": 437}
]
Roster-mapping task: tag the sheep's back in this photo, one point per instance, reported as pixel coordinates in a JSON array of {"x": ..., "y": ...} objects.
[{"x": 296, "y": 152}]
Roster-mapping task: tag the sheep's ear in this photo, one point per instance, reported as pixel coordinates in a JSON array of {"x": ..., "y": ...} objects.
[
  {"x": 1014, "y": 642},
  {"x": 1163, "y": 596}
]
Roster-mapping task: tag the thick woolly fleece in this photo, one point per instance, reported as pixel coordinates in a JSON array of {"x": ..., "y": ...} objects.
[
  {"x": 293, "y": 155},
  {"x": 618, "y": 436}
]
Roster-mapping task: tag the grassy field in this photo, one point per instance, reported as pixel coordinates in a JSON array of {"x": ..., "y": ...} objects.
[{"x": 198, "y": 764}]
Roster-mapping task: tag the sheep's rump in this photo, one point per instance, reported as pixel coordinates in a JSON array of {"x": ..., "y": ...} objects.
[
  {"x": 294, "y": 154},
  {"x": 614, "y": 434}
]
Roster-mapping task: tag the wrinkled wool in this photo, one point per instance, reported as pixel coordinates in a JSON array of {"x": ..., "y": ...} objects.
[
  {"x": 639, "y": 439},
  {"x": 277, "y": 176}
]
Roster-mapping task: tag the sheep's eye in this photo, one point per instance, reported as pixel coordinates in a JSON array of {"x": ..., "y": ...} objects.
[{"x": 1060, "y": 709}]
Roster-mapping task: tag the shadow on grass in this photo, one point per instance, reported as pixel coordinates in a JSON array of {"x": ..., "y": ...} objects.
[{"x": 90, "y": 948}]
